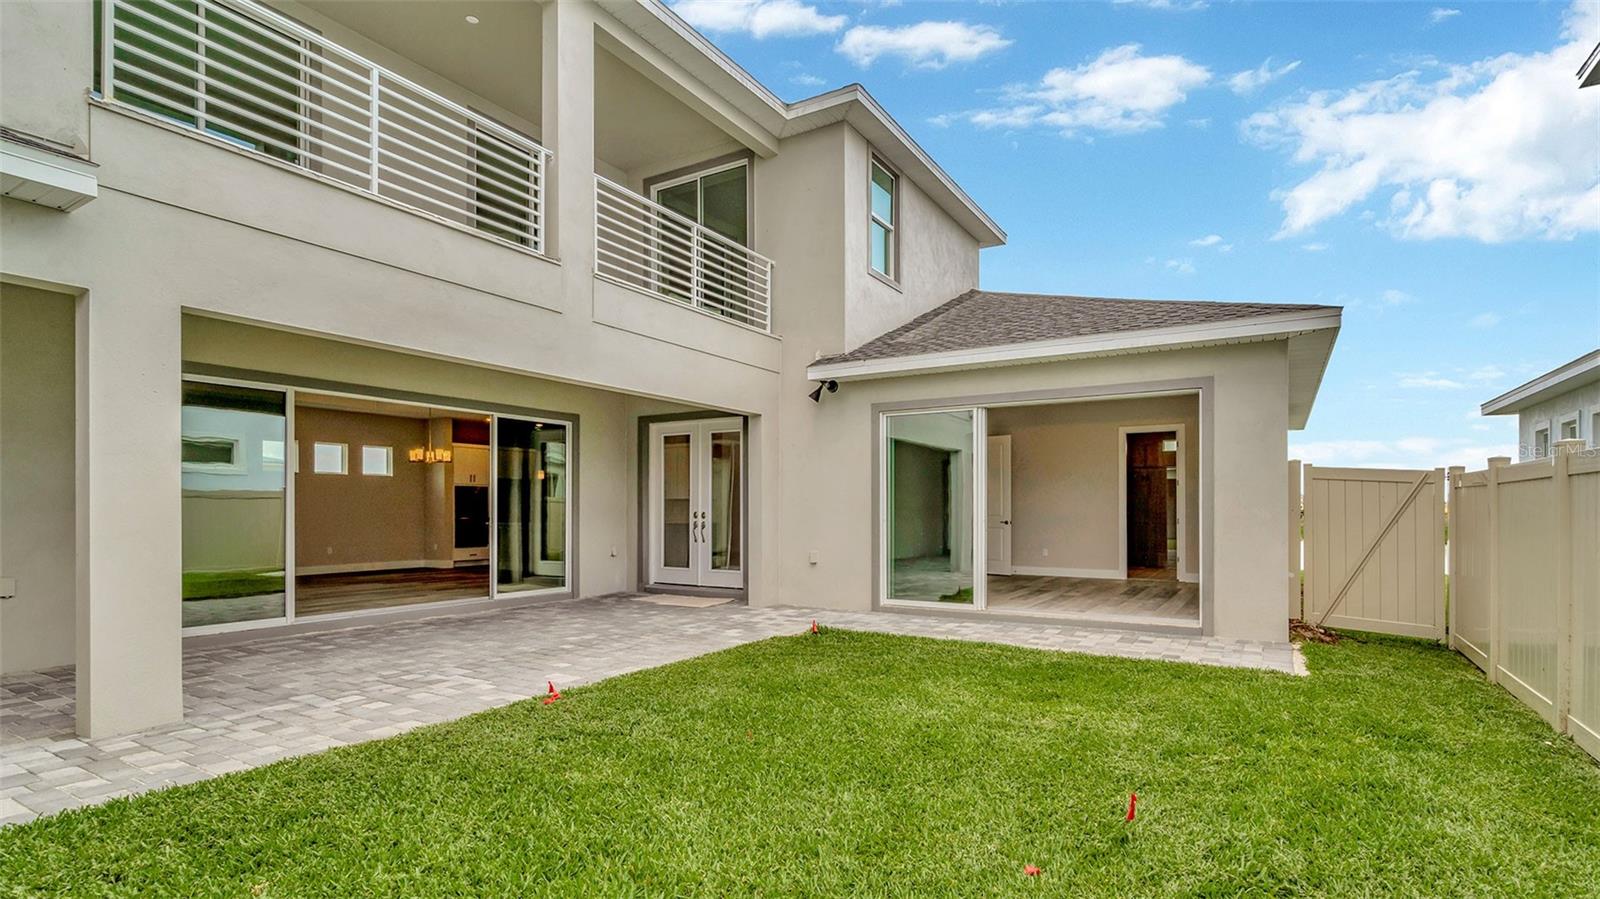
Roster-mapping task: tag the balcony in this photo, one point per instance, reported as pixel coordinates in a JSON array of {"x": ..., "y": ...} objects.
[
  {"x": 647, "y": 247},
  {"x": 237, "y": 72}
]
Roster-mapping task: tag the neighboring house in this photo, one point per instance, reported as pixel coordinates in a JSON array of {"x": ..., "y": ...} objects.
[
  {"x": 324, "y": 312},
  {"x": 1561, "y": 404}
]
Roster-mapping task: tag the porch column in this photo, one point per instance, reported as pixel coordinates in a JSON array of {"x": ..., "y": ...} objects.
[
  {"x": 568, "y": 130},
  {"x": 129, "y": 514}
]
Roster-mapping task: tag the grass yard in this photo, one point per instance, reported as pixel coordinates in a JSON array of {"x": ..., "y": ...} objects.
[
  {"x": 856, "y": 764},
  {"x": 230, "y": 584}
]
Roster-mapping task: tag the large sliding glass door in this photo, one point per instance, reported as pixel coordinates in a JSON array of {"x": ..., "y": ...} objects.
[
  {"x": 929, "y": 493},
  {"x": 531, "y": 486},
  {"x": 301, "y": 503},
  {"x": 235, "y": 503}
]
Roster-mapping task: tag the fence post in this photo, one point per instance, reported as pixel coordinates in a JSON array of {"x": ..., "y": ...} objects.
[
  {"x": 1563, "y": 540},
  {"x": 1309, "y": 563},
  {"x": 1295, "y": 607},
  {"x": 1493, "y": 486},
  {"x": 1452, "y": 558},
  {"x": 1438, "y": 534}
]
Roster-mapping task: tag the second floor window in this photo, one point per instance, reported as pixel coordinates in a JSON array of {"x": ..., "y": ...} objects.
[
  {"x": 717, "y": 199},
  {"x": 885, "y": 205}
]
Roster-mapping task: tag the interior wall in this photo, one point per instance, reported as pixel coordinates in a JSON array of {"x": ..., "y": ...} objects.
[
  {"x": 37, "y": 479},
  {"x": 350, "y": 521},
  {"x": 1065, "y": 471},
  {"x": 919, "y": 501}
]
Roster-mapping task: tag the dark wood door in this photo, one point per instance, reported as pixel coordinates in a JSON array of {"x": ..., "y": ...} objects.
[{"x": 1148, "y": 462}]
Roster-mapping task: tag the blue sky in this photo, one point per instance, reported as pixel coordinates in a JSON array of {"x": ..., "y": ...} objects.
[{"x": 1431, "y": 167}]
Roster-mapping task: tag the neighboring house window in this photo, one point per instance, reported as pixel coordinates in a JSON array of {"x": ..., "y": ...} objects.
[
  {"x": 328, "y": 458},
  {"x": 377, "y": 461},
  {"x": 1541, "y": 441},
  {"x": 885, "y": 211},
  {"x": 1569, "y": 427},
  {"x": 1594, "y": 427},
  {"x": 272, "y": 455},
  {"x": 214, "y": 69},
  {"x": 217, "y": 455}
]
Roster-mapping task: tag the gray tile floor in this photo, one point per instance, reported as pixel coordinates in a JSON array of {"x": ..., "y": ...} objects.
[{"x": 252, "y": 703}]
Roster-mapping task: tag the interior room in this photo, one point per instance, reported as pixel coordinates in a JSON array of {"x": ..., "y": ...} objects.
[
  {"x": 391, "y": 504},
  {"x": 1087, "y": 510}
]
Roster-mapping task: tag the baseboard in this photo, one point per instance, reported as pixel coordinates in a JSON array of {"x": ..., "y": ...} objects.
[
  {"x": 1189, "y": 577},
  {"x": 352, "y": 567},
  {"x": 1042, "y": 571}
]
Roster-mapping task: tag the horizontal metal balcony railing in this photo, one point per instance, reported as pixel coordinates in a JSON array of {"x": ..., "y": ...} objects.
[
  {"x": 239, "y": 72},
  {"x": 644, "y": 245}
]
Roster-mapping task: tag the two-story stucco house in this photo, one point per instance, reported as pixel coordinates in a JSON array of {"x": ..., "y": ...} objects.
[{"x": 318, "y": 313}]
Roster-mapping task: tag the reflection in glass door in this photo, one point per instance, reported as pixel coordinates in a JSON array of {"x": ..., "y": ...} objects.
[
  {"x": 530, "y": 505},
  {"x": 929, "y": 495},
  {"x": 234, "y": 503},
  {"x": 696, "y": 504}
]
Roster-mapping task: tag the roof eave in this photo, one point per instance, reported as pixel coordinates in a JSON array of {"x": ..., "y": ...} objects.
[
  {"x": 1574, "y": 374},
  {"x": 1254, "y": 329}
]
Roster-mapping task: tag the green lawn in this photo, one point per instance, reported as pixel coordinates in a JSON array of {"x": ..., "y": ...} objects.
[
  {"x": 230, "y": 584},
  {"x": 854, "y": 764}
]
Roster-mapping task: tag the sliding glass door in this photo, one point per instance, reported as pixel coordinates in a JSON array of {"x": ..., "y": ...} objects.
[
  {"x": 235, "y": 503},
  {"x": 531, "y": 484},
  {"x": 929, "y": 491}
]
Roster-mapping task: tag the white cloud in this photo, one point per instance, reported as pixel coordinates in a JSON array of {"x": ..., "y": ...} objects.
[
  {"x": 1494, "y": 150},
  {"x": 1212, "y": 240},
  {"x": 1406, "y": 452},
  {"x": 1483, "y": 320},
  {"x": 759, "y": 18},
  {"x": 1314, "y": 247},
  {"x": 1181, "y": 266},
  {"x": 1486, "y": 373},
  {"x": 925, "y": 45},
  {"x": 1440, "y": 13},
  {"x": 1392, "y": 297},
  {"x": 1429, "y": 380},
  {"x": 1252, "y": 80},
  {"x": 1171, "y": 5},
  {"x": 806, "y": 79},
  {"x": 1121, "y": 92}
]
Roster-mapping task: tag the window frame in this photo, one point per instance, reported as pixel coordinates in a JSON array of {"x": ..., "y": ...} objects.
[
  {"x": 388, "y": 465},
  {"x": 344, "y": 457},
  {"x": 892, "y": 276},
  {"x": 678, "y": 177},
  {"x": 1594, "y": 426},
  {"x": 1576, "y": 418},
  {"x": 1542, "y": 424},
  {"x": 235, "y": 466}
]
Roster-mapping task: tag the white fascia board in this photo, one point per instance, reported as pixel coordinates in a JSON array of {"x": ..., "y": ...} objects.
[
  {"x": 60, "y": 182},
  {"x": 1265, "y": 327},
  {"x": 1574, "y": 374}
]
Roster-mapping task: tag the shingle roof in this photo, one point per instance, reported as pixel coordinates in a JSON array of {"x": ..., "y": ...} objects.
[{"x": 985, "y": 318}]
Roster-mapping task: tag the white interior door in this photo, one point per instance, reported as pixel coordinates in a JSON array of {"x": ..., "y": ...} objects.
[
  {"x": 697, "y": 503},
  {"x": 998, "y": 513}
]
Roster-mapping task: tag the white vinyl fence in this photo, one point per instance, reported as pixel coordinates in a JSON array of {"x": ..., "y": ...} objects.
[{"x": 1525, "y": 582}]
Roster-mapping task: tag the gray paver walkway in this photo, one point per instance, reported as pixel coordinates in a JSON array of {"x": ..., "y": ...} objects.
[{"x": 252, "y": 703}]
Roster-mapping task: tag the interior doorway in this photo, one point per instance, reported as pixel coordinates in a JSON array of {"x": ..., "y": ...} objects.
[{"x": 1153, "y": 501}]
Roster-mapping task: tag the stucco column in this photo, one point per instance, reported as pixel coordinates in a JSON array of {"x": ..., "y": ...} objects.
[
  {"x": 568, "y": 128},
  {"x": 129, "y": 514}
]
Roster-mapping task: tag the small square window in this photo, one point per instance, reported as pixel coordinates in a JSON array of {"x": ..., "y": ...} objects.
[
  {"x": 377, "y": 460},
  {"x": 272, "y": 454},
  {"x": 328, "y": 458}
]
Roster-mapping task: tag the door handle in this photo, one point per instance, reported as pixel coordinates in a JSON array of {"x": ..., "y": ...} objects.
[{"x": 1006, "y": 521}]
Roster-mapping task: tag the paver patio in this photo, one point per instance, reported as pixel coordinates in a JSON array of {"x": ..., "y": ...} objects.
[{"x": 252, "y": 703}]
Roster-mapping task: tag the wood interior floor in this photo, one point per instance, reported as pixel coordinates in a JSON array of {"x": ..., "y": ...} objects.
[
  {"x": 324, "y": 594},
  {"x": 1134, "y": 600}
]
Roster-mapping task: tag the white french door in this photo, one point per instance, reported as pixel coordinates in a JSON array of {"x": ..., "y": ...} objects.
[{"x": 697, "y": 503}]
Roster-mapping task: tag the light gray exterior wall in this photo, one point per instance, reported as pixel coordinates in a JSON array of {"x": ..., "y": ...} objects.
[{"x": 1584, "y": 402}]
